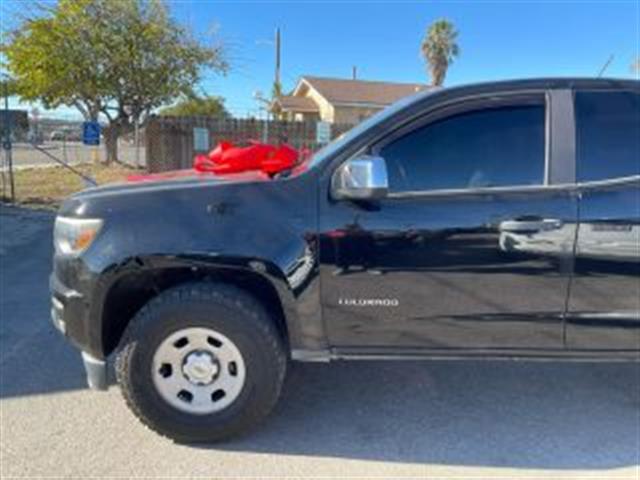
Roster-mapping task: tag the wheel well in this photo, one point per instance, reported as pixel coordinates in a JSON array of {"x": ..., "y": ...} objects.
[{"x": 133, "y": 291}]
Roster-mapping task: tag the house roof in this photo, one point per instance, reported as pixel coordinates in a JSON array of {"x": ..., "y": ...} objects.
[
  {"x": 341, "y": 91},
  {"x": 298, "y": 104}
]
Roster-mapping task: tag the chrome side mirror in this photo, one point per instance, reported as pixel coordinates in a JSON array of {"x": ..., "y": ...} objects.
[{"x": 361, "y": 178}]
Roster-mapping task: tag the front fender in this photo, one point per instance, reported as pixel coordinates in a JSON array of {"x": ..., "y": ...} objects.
[
  {"x": 267, "y": 229},
  {"x": 296, "y": 289}
]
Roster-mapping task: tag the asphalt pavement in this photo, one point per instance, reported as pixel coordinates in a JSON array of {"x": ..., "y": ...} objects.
[
  {"x": 24, "y": 155},
  {"x": 465, "y": 419}
]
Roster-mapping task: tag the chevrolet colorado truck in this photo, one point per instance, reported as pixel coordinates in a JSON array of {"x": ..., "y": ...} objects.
[{"x": 498, "y": 220}]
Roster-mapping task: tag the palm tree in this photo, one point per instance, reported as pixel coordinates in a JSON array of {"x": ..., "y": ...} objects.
[{"x": 439, "y": 48}]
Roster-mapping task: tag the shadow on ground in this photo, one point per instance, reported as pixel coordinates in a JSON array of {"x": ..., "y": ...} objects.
[{"x": 533, "y": 415}]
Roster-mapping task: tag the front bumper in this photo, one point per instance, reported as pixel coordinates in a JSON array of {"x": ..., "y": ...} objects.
[
  {"x": 68, "y": 315},
  {"x": 96, "y": 371}
]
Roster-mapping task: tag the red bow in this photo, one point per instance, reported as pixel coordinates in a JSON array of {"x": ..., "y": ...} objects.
[{"x": 228, "y": 158}]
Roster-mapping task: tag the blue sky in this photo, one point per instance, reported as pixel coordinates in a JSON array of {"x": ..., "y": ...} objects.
[{"x": 498, "y": 39}]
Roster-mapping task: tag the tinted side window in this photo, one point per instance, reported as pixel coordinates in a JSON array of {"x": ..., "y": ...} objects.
[
  {"x": 486, "y": 148},
  {"x": 608, "y": 129}
]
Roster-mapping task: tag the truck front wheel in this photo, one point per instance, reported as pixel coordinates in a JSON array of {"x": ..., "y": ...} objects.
[{"x": 201, "y": 362}]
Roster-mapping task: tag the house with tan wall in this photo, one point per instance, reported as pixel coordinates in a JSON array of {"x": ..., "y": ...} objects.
[{"x": 338, "y": 100}]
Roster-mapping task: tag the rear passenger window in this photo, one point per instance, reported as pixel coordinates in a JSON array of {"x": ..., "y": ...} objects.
[
  {"x": 608, "y": 135},
  {"x": 496, "y": 147}
]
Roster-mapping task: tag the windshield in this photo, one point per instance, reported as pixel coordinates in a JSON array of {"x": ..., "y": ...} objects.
[{"x": 335, "y": 145}]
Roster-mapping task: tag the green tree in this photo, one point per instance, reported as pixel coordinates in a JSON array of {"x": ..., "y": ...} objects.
[
  {"x": 117, "y": 58},
  {"x": 197, "y": 106},
  {"x": 8, "y": 87},
  {"x": 439, "y": 49}
]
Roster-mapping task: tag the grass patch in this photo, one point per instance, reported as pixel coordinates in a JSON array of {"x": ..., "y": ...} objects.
[{"x": 49, "y": 186}]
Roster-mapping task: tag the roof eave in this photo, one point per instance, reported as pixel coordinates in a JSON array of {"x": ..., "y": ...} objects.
[
  {"x": 301, "y": 82},
  {"x": 360, "y": 104},
  {"x": 300, "y": 110}
]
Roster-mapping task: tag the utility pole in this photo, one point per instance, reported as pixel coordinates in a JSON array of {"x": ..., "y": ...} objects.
[
  {"x": 8, "y": 118},
  {"x": 276, "y": 91},
  {"x": 354, "y": 73},
  {"x": 277, "y": 73}
]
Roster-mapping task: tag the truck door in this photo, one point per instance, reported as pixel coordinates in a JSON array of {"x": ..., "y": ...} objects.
[
  {"x": 604, "y": 307},
  {"x": 472, "y": 248}
]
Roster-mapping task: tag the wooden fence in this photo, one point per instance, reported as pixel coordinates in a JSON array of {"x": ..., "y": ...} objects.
[{"x": 172, "y": 142}]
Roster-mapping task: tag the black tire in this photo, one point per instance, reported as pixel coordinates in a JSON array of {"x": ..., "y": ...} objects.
[{"x": 233, "y": 313}]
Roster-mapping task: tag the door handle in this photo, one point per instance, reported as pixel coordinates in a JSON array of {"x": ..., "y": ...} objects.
[{"x": 530, "y": 226}]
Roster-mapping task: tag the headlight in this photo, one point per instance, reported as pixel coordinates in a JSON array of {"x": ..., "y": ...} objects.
[{"x": 72, "y": 236}]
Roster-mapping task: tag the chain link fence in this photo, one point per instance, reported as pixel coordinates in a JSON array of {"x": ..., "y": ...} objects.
[
  {"x": 162, "y": 144},
  {"x": 39, "y": 149}
]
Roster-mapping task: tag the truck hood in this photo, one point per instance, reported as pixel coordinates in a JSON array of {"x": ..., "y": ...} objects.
[{"x": 173, "y": 179}]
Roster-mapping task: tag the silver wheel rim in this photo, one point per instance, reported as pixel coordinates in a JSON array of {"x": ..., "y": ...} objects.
[{"x": 198, "y": 370}]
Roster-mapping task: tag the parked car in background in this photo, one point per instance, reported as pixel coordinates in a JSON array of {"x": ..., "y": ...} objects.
[
  {"x": 497, "y": 220},
  {"x": 66, "y": 134},
  {"x": 57, "y": 136}
]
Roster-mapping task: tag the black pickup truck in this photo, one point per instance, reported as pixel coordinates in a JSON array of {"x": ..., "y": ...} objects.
[{"x": 498, "y": 220}]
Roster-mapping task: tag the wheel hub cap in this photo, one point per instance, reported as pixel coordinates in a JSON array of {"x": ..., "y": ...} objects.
[{"x": 200, "y": 368}]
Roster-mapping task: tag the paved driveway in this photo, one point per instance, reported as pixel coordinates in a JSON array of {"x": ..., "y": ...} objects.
[{"x": 458, "y": 419}]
